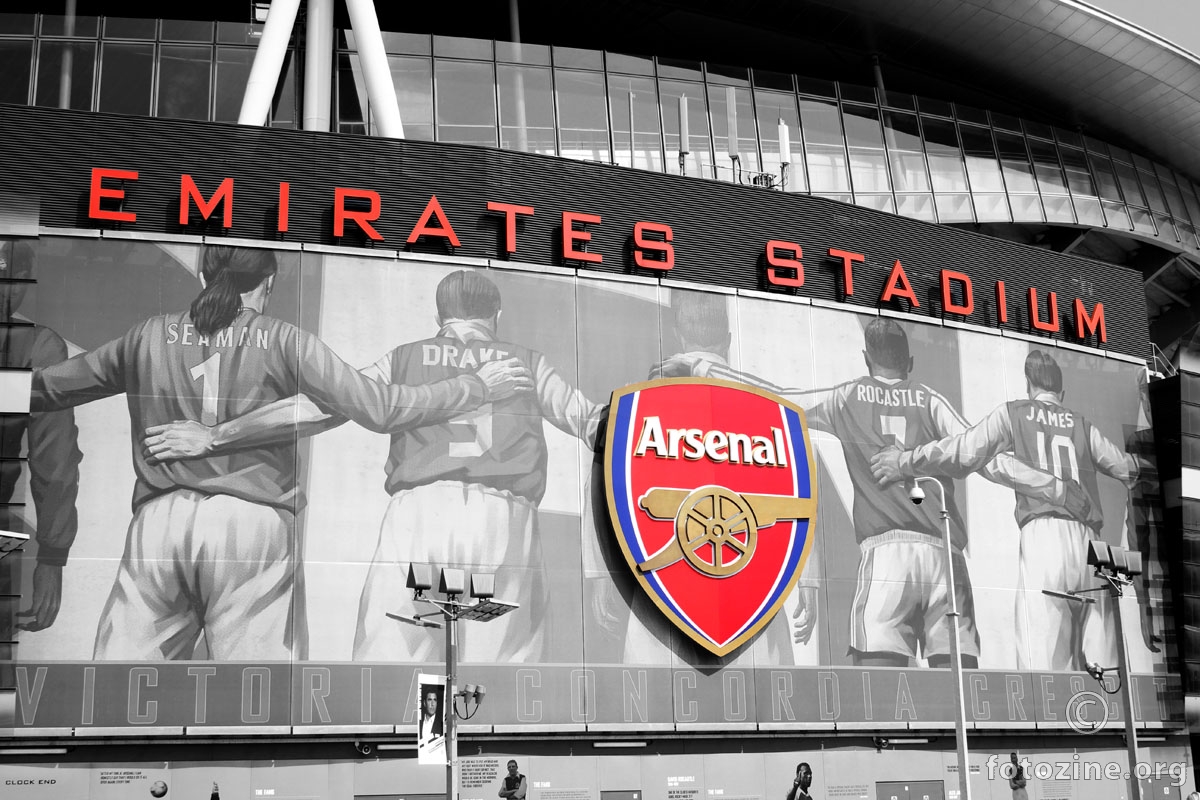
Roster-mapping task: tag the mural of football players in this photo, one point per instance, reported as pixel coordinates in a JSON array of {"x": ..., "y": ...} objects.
[
  {"x": 53, "y": 452},
  {"x": 463, "y": 491},
  {"x": 211, "y": 548},
  {"x": 900, "y": 604},
  {"x": 1051, "y": 632}
]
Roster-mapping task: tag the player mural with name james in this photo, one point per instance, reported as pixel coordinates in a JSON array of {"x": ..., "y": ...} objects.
[
  {"x": 899, "y": 608},
  {"x": 1043, "y": 433},
  {"x": 211, "y": 548},
  {"x": 464, "y": 489}
]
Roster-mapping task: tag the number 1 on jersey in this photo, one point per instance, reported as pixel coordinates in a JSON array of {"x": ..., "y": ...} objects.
[{"x": 208, "y": 372}]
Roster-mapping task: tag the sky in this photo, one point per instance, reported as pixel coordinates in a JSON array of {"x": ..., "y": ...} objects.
[{"x": 1177, "y": 21}]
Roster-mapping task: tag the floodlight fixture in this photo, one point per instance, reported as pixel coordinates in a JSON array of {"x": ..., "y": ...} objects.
[
  {"x": 483, "y": 585},
  {"x": 1133, "y": 563},
  {"x": 453, "y": 581},
  {"x": 420, "y": 577},
  {"x": 1117, "y": 554},
  {"x": 1099, "y": 555}
]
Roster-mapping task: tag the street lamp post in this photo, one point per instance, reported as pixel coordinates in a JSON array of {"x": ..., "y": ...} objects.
[
  {"x": 484, "y": 609},
  {"x": 1118, "y": 568},
  {"x": 917, "y": 495}
]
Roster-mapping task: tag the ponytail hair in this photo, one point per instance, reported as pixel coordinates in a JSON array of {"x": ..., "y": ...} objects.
[{"x": 229, "y": 272}]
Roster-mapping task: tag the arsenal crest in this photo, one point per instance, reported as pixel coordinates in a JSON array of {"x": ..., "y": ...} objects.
[{"x": 711, "y": 493}]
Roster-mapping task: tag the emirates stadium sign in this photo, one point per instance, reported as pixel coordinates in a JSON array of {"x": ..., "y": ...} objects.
[{"x": 712, "y": 494}]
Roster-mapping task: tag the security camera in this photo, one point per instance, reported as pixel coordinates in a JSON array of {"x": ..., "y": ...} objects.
[
  {"x": 1096, "y": 671},
  {"x": 916, "y": 495},
  {"x": 364, "y": 747}
]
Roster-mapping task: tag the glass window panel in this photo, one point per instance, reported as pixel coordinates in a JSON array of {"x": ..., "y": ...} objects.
[
  {"x": 461, "y": 47},
  {"x": 1120, "y": 155},
  {"x": 1106, "y": 177},
  {"x": 732, "y": 106},
  {"x": 238, "y": 33},
  {"x": 635, "y": 96},
  {"x": 1127, "y": 177},
  {"x": 841, "y": 198},
  {"x": 126, "y": 75},
  {"x": 1038, "y": 129},
  {"x": 581, "y": 59},
  {"x": 409, "y": 44},
  {"x": 824, "y": 150},
  {"x": 1087, "y": 211},
  {"x": 180, "y": 30},
  {"x": 971, "y": 114},
  {"x": 954, "y": 208},
  {"x": 1095, "y": 145},
  {"x": 16, "y": 59},
  {"x": 992, "y": 207},
  {"x": 935, "y": 107},
  {"x": 903, "y": 137},
  {"x": 1014, "y": 160},
  {"x": 76, "y": 58},
  {"x": 285, "y": 106},
  {"x": 1189, "y": 199},
  {"x": 676, "y": 68},
  {"x": 699, "y": 153},
  {"x": 233, "y": 71},
  {"x": 814, "y": 86},
  {"x": 903, "y": 101},
  {"x": 466, "y": 101},
  {"x": 1116, "y": 215},
  {"x": 127, "y": 28},
  {"x": 582, "y": 114},
  {"x": 879, "y": 202},
  {"x": 183, "y": 82},
  {"x": 1142, "y": 221},
  {"x": 1026, "y": 208},
  {"x": 82, "y": 26},
  {"x": 1058, "y": 208},
  {"x": 1049, "y": 171},
  {"x": 728, "y": 76},
  {"x": 983, "y": 167},
  {"x": 1069, "y": 137},
  {"x": 946, "y": 167},
  {"x": 1006, "y": 122},
  {"x": 765, "y": 79},
  {"x": 1166, "y": 179},
  {"x": 635, "y": 65},
  {"x": 1079, "y": 178},
  {"x": 868, "y": 162},
  {"x": 916, "y": 206},
  {"x": 17, "y": 23},
  {"x": 412, "y": 77},
  {"x": 520, "y": 53},
  {"x": 1150, "y": 187},
  {"x": 1187, "y": 233},
  {"x": 857, "y": 94},
  {"x": 351, "y": 95},
  {"x": 775, "y": 109},
  {"x": 527, "y": 109},
  {"x": 1166, "y": 229}
]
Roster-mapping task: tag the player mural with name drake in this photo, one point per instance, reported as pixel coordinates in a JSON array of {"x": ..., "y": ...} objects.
[
  {"x": 211, "y": 547},
  {"x": 1051, "y": 632},
  {"x": 463, "y": 490},
  {"x": 899, "y": 607}
]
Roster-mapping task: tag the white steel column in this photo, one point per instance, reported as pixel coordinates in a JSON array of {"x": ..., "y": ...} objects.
[
  {"x": 268, "y": 62},
  {"x": 381, "y": 92},
  {"x": 318, "y": 65}
]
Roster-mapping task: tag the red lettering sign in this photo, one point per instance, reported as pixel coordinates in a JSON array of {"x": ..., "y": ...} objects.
[
  {"x": 189, "y": 193},
  {"x": 948, "y": 304},
  {"x": 510, "y": 212},
  {"x": 100, "y": 192},
  {"x": 362, "y": 219},
  {"x": 778, "y": 266},
  {"x": 645, "y": 246},
  {"x": 570, "y": 236}
]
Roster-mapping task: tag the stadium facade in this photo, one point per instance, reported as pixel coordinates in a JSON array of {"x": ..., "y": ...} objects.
[{"x": 658, "y": 319}]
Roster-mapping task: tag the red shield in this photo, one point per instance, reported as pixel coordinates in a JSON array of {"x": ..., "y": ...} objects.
[{"x": 711, "y": 490}]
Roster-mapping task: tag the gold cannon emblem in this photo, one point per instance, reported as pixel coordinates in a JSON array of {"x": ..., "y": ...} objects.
[{"x": 716, "y": 530}]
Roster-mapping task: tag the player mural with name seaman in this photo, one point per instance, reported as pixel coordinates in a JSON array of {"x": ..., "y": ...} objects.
[{"x": 464, "y": 490}]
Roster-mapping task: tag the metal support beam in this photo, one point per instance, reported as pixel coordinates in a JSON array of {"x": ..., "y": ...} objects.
[
  {"x": 318, "y": 65},
  {"x": 268, "y": 62},
  {"x": 381, "y": 92}
]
